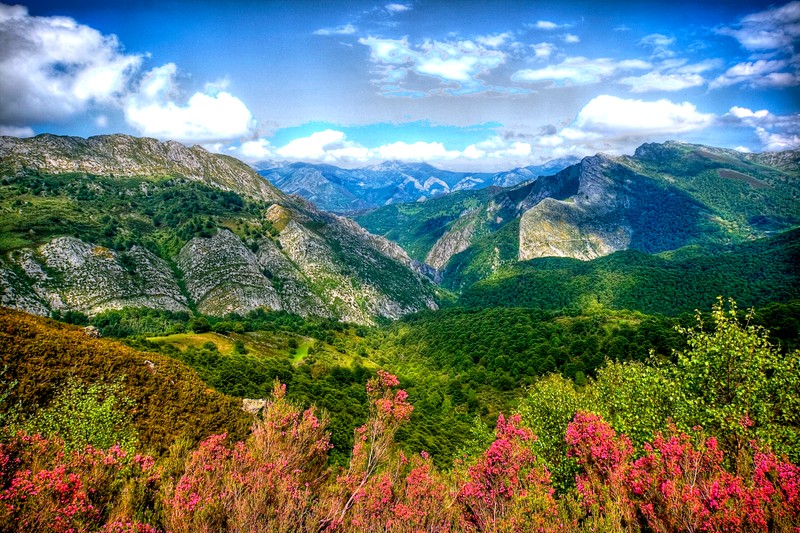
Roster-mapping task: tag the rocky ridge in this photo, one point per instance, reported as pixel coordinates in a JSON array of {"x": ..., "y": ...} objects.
[{"x": 309, "y": 262}]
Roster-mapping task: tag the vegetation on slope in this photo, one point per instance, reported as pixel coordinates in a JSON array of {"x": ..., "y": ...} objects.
[
  {"x": 625, "y": 452},
  {"x": 671, "y": 283},
  {"x": 42, "y": 355}
]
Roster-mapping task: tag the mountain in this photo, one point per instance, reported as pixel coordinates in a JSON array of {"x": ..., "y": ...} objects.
[
  {"x": 115, "y": 221},
  {"x": 663, "y": 197},
  {"x": 349, "y": 191}
]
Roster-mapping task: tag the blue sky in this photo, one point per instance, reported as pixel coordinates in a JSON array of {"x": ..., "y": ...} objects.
[{"x": 469, "y": 85}]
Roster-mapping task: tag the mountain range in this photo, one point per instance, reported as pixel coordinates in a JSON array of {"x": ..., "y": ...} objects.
[
  {"x": 115, "y": 221},
  {"x": 663, "y": 197},
  {"x": 350, "y": 191}
]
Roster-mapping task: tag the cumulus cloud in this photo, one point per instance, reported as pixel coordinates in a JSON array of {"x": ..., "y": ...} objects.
[
  {"x": 763, "y": 73},
  {"x": 397, "y": 8},
  {"x": 775, "y": 132},
  {"x": 579, "y": 71},
  {"x": 613, "y": 116},
  {"x": 772, "y": 35},
  {"x": 671, "y": 75},
  {"x": 776, "y": 142},
  {"x": 458, "y": 64},
  {"x": 571, "y": 38},
  {"x": 333, "y": 147},
  {"x": 52, "y": 68},
  {"x": 612, "y": 124},
  {"x": 659, "y": 81},
  {"x": 212, "y": 115},
  {"x": 548, "y": 25},
  {"x": 495, "y": 40},
  {"x": 543, "y": 50},
  {"x": 346, "y": 29},
  {"x": 773, "y": 29}
]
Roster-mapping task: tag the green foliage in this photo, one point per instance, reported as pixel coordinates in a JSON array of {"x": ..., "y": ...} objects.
[
  {"x": 737, "y": 384},
  {"x": 673, "y": 283},
  {"x": 547, "y": 409},
  {"x": 83, "y": 415},
  {"x": 161, "y": 215}
]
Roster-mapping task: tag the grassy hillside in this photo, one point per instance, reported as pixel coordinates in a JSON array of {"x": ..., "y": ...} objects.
[{"x": 171, "y": 400}]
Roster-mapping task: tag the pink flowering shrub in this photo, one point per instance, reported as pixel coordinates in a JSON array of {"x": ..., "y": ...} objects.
[
  {"x": 372, "y": 449},
  {"x": 267, "y": 483},
  {"x": 679, "y": 484},
  {"x": 506, "y": 490},
  {"x": 46, "y": 488},
  {"x": 407, "y": 496}
]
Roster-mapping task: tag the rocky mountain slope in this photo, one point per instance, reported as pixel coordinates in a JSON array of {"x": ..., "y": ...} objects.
[
  {"x": 663, "y": 197},
  {"x": 115, "y": 221},
  {"x": 350, "y": 191}
]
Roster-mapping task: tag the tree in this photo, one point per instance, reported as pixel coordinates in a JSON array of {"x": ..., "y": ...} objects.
[{"x": 736, "y": 384}]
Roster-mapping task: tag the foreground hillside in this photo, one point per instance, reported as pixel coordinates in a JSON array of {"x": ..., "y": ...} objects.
[
  {"x": 664, "y": 197},
  {"x": 41, "y": 355},
  {"x": 115, "y": 221},
  {"x": 704, "y": 442}
]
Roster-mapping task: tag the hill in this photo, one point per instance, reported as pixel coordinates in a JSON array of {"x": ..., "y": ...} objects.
[
  {"x": 41, "y": 355},
  {"x": 115, "y": 221},
  {"x": 670, "y": 283}
]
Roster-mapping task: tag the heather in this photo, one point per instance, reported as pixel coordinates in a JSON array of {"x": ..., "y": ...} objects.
[{"x": 704, "y": 442}]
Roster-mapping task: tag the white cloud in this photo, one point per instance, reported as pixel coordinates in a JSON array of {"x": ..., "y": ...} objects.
[
  {"x": 659, "y": 81},
  {"x": 776, "y": 142},
  {"x": 659, "y": 44},
  {"x": 347, "y": 29},
  {"x": 207, "y": 116},
  {"x": 543, "y": 50},
  {"x": 775, "y": 132},
  {"x": 333, "y": 147},
  {"x": 617, "y": 125},
  {"x": 571, "y": 38},
  {"x": 773, "y": 29},
  {"x": 495, "y": 40},
  {"x": 52, "y": 68},
  {"x": 256, "y": 150},
  {"x": 611, "y": 116},
  {"x": 329, "y": 146},
  {"x": 547, "y": 25},
  {"x": 397, "y": 8},
  {"x": 498, "y": 148},
  {"x": 760, "y": 73},
  {"x": 579, "y": 71},
  {"x": 15, "y": 131},
  {"x": 456, "y": 63}
]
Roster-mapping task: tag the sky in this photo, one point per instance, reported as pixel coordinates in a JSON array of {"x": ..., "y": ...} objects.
[{"x": 468, "y": 85}]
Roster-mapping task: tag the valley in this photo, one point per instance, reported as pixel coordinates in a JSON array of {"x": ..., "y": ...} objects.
[{"x": 187, "y": 285}]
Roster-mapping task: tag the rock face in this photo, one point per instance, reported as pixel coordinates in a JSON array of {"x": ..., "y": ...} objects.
[
  {"x": 454, "y": 241},
  {"x": 591, "y": 223},
  {"x": 267, "y": 250},
  {"x": 222, "y": 276},
  {"x": 67, "y": 273}
]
